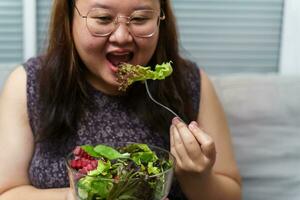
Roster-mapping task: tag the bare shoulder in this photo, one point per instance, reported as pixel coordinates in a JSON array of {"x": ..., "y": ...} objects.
[
  {"x": 13, "y": 95},
  {"x": 213, "y": 120},
  {"x": 15, "y": 83},
  {"x": 206, "y": 82},
  {"x": 208, "y": 94},
  {"x": 211, "y": 114},
  {"x": 15, "y": 131}
]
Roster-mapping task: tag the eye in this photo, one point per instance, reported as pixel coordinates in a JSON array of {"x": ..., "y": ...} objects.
[
  {"x": 139, "y": 19},
  {"x": 103, "y": 19}
]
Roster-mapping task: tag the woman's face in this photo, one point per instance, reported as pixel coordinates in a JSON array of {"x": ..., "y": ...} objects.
[{"x": 101, "y": 55}]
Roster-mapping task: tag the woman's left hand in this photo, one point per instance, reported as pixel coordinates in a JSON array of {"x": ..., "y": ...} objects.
[
  {"x": 193, "y": 149},
  {"x": 70, "y": 195}
]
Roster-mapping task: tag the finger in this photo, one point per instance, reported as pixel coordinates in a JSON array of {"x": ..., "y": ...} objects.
[
  {"x": 172, "y": 143},
  {"x": 206, "y": 141},
  {"x": 178, "y": 162},
  {"x": 190, "y": 142},
  {"x": 179, "y": 146}
]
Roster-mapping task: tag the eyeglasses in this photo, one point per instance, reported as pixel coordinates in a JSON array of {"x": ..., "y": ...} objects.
[{"x": 141, "y": 23}]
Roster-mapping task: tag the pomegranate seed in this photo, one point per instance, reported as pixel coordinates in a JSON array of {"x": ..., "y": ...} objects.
[
  {"x": 77, "y": 151},
  {"x": 83, "y": 171}
]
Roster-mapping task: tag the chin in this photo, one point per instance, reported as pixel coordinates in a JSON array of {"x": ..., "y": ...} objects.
[{"x": 111, "y": 87}]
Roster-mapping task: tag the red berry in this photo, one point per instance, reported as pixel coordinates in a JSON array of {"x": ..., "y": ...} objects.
[
  {"x": 83, "y": 171},
  {"x": 95, "y": 163},
  {"x": 89, "y": 167},
  {"x": 83, "y": 161},
  {"x": 77, "y": 151}
]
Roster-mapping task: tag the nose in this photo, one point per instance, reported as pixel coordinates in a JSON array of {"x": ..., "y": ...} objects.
[{"x": 121, "y": 34}]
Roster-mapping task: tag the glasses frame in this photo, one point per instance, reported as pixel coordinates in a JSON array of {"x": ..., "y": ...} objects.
[{"x": 116, "y": 22}]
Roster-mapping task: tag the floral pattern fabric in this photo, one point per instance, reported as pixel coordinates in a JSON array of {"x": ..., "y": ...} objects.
[{"x": 106, "y": 121}]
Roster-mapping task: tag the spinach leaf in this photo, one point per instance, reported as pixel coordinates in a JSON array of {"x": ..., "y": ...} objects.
[
  {"x": 89, "y": 149},
  {"x": 109, "y": 152}
]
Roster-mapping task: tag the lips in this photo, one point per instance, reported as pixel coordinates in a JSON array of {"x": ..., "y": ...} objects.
[{"x": 116, "y": 58}]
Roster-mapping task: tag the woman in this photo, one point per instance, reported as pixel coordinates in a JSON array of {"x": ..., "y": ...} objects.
[{"x": 70, "y": 96}]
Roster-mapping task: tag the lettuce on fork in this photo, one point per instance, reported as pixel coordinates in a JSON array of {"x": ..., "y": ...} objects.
[{"x": 128, "y": 73}]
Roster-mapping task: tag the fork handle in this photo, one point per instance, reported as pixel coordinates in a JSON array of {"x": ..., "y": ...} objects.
[{"x": 158, "y": 103}]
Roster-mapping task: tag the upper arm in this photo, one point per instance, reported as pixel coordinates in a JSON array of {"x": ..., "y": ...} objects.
[
  {"x": 16, "y": 138},
  {"x": 213, "y": 120}
]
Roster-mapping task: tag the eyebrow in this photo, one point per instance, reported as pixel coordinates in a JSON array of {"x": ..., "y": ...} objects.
[
  {"x": 143, "y": 7},
  {"x": 99, "y": 5},
  {"x": 140, "y": 7}
]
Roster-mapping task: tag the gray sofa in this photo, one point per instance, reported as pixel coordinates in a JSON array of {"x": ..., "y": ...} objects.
[{"x": 264, "y": 117}]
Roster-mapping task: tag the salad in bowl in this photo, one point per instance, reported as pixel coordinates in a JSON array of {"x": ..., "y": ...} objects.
[{"x": 122, "y": 171}]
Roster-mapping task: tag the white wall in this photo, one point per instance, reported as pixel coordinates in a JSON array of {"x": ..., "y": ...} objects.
[
  {"x": 29, "y": 28},
  {"x": 290, "y": 45}
]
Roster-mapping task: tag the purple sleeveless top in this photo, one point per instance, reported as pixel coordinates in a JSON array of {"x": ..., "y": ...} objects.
[{"x": 107, "y": 121}]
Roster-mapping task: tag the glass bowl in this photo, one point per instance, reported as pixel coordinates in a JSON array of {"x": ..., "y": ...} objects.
[{"x": 87, "y": 186}]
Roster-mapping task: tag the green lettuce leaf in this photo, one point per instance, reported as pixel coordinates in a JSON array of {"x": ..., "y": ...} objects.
[
  {"x": 102, "y": 168},
  {"x": 128, "y": 74},
  {"x": 135, "y": 147}
]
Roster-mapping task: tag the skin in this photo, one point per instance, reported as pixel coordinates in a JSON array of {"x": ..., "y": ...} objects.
[
  {"x": 93, "y": 50},
  {"x": 202, "y": 173}
]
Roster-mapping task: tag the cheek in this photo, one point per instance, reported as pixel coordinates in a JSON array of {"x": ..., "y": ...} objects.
[
  {"x": 147, "y": 48},
  {"x": 85, "y": 43},
  {"x": 90, "y": 45}
]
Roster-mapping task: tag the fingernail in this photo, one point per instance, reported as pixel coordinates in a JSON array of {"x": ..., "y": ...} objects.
[
  {"x": 194, "y": 125},
  {"x": 176, "y": 120}
]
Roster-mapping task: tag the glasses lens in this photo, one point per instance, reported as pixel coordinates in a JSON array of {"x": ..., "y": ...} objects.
[
  {"x": 142, "y": 23},
  {"x": 100, "y": 22}
]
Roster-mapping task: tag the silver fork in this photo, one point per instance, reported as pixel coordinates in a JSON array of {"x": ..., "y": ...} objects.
[{"x": 158, "y": 103}]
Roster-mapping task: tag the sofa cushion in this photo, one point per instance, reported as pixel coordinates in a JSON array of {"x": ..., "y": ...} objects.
[{"x": 264, "y": 117}]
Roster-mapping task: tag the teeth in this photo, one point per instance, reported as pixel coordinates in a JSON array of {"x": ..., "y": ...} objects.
[
  {"x": 117, "y": 58},
  {"x": 120, "y": 54}
]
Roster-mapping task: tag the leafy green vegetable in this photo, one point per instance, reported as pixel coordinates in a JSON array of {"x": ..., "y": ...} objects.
[
  {"x": 124, "y": 173},
  {"x": 135, "y": 147},
  {"x": 127, "y": 73},
  {"x": 90, "y": 150},
  {"x": 152, "y": 169},
  {"x": 109, "y": 152},
  {"x": 89, "y": 188},
  {"x": 143, "y": 157},
  {"x": 102, "y": 168}
]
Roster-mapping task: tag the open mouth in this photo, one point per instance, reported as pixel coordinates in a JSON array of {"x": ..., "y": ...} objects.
[{"x": 117, "y": 58}]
